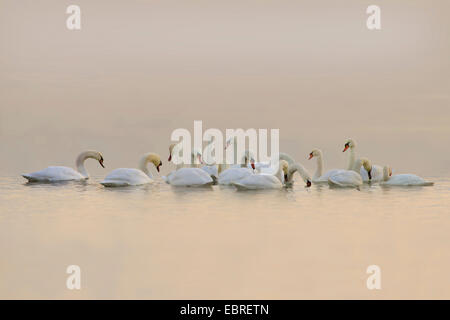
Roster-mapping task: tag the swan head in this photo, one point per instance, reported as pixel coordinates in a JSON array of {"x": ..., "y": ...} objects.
[
  {"x": 367, "y": 165},
  {"x": 315, "y": 153},
  {"x": 350, "y": 143},
  {"x": 155, "y": 159},
  {"x": 92, "y": 155}
]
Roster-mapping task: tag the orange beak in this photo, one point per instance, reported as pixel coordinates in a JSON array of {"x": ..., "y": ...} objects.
[
  {"x": 253, "y": 165},
  {"x": 310, "y": 156},
  {"x": 170, "y": 157},
  {"x": 346, "y": 147},
  {"x": 101, "y": 162}
]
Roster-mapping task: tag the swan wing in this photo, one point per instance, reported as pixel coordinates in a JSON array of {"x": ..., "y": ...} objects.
[
  {"x": 52, "y": 174},
  {"x": 190, "y": 177},
  {"x": 126, "y": 177},
  {"x": 407, "y": 180},
  {"x": 233, "y": 175},
  {"x": 258, "y": 181},
  {"x": 377, "y": 174},
  {"x": 345, "y": 178}
]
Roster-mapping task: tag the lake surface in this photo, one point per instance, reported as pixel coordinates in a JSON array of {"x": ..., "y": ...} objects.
[{"x": 160, "y": 242}]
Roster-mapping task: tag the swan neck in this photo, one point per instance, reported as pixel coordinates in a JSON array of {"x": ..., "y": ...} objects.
[
  {"x": 301, "y": 171},
  {"x": 319, "y": 170},
  {"x": 80, "y": 163},
  {"x": 357, "y": 166},
  {"x": 143, "y": 165},
  {"x": 385, "y": 173},
  {"x": 351, "y": 159},
  {"x": 286, "y": 157}
]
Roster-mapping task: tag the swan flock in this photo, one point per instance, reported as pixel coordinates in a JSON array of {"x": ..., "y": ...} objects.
[{"x": 248, "y": 175}]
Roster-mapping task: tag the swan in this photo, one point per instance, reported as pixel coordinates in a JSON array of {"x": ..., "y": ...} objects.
[
  {"x": 376, "y": 173},
  {"x": 263, "y": 180},
  {"x": 133, "y": 177},
  {"x": 349, "y": 178},
  {"x": 57, "y": 173},
  {"x": 319, "y": 176},
  {"x": 350, "y": 144},
  {"x": 234, "y": 173},
  {"x": 406, "y": 179},
  {"x": 189, "y": 177},
  {"x": 209, "y": 164},
  {"x": 297, "y": 167}
]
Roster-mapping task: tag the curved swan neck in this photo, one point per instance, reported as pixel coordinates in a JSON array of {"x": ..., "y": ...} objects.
[
  {"x": 143, "y": 165},
  {"x": 319, "y": 161},
  {"x": 297, "y": 167},
  {"x": 80, "y": 161},
  {"x": 286, "y": 157},
  {"x": 351, "y": 159}
]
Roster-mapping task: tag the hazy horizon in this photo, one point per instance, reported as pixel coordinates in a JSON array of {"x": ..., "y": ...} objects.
[{"x": 138, "y": 70}]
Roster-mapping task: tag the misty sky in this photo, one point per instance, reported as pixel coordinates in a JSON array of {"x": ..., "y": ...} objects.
[{"x": 140, "y": 69}]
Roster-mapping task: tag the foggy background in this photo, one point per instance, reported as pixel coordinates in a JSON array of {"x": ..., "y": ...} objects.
[{"x": 137, "y": 70}]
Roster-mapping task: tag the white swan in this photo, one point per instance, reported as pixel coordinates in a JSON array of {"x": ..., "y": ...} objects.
[
  {"x": 133, "y": 177},
  {"x": 319, "y": 176},
  {"x": 263, "y": 180},
  {"x": 376, "y": 173},
  {"x": 189, "y": 177},
  {"x": 349, "y": 178},
  {"x": 406, "y": 179},
  {"x": 304, "y": 174},
  {"x": 54, "y": 174},
  {"x": 234, "y": 173}
]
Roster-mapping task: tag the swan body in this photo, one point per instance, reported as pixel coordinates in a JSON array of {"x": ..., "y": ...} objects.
[
  {"x": 234, "y": 175},
  {"x": 319, "y": 176},
  {"x": 258, "y": 181},
  {"x": 345, "y": 178},
  {"x": 58, "y": 173},
  {"x": 123, "y": 177},
  {"x": 194, "y": 176},
  {"x": 406, "y": 179},
  {"x": 349, "y": 178},
  {"x": 189, "y": 177},
  {"x": 213, "y": 172},
  {"x": 239, "y": 171},
  {"x": 376, "y": 174},
  {"x": 262, "y": 180}
]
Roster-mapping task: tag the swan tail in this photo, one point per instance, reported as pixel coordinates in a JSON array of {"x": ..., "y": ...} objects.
[{"x": 29, "y": 178}]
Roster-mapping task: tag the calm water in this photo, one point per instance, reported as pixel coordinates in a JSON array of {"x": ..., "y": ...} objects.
[{"x": 162, "y": 242}]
